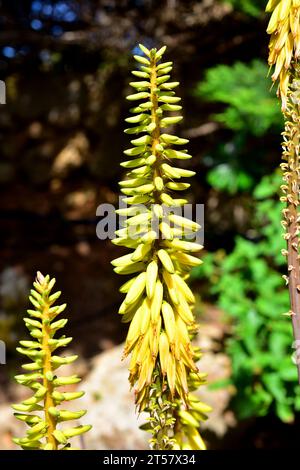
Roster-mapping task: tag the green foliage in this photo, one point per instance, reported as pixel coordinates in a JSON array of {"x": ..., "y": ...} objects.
[
  {"x": 225, "y": 177},
  {"x": 248, "y": 111},
  {"x": 40, "y": 412},
  {"x": 246, "y": 92},
  {"x": 250, "y": 7},
  {"x": 249, "y": 287}
]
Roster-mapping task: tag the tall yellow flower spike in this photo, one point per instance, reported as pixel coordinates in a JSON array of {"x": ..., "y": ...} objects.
[
  {"x": 158, "y": 301},
  {"x": 284, "y": 46}
]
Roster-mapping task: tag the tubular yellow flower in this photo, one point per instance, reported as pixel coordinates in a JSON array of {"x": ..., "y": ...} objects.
[
  {"x": 284, "y": 46},
  {"x": 158, "y": 301},
  {"x": 41, "y": 378}
]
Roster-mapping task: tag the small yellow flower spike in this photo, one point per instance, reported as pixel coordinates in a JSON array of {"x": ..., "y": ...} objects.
[
  {"x": 284, "y": 46},
  {"x": 158, "y": 300},
  {"x": 41, "y": 411}
]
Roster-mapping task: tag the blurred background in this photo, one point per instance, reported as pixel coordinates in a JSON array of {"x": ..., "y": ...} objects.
[{"x": 66, "y": 66}]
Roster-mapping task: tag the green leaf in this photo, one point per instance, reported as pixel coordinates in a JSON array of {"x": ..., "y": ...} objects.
[
  {"x": 285, "y": 412},
  {"x": 246, "y": 92},
  {"x": 275, "y": 386}
]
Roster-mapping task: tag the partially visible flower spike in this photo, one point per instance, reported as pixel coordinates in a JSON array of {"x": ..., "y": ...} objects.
[
  {"x": 41, "y": 411},
  {"x": 158, "y": 301},
  {"x": 284, "y": 46},
  {"x": 291, "y": 196}
]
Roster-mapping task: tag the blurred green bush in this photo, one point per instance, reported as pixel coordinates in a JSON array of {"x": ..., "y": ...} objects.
[
  {"x": 248, "y": 286},
  {"x": 249, "y": 109},
  {"x": 247, "y": 283},
  {"x": 244, "y": 88},
  {"x": 250, "y": 7}
]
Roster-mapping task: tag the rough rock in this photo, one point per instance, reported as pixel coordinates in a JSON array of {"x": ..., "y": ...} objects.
[{"x": 111, "y": 405}]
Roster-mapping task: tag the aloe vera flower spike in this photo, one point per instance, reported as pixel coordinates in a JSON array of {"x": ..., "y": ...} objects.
[{"x": 158, "y": 302}]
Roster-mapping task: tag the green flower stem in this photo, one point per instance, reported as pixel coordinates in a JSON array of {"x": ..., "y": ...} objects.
[
  {"x": 47, "y": 370},
  {"x": 161, "y": 412}
]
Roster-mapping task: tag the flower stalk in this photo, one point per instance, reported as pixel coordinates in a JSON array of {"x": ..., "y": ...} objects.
[
  {"x": 291, "y": 178},
  {"x": 284, "y": 51}
]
